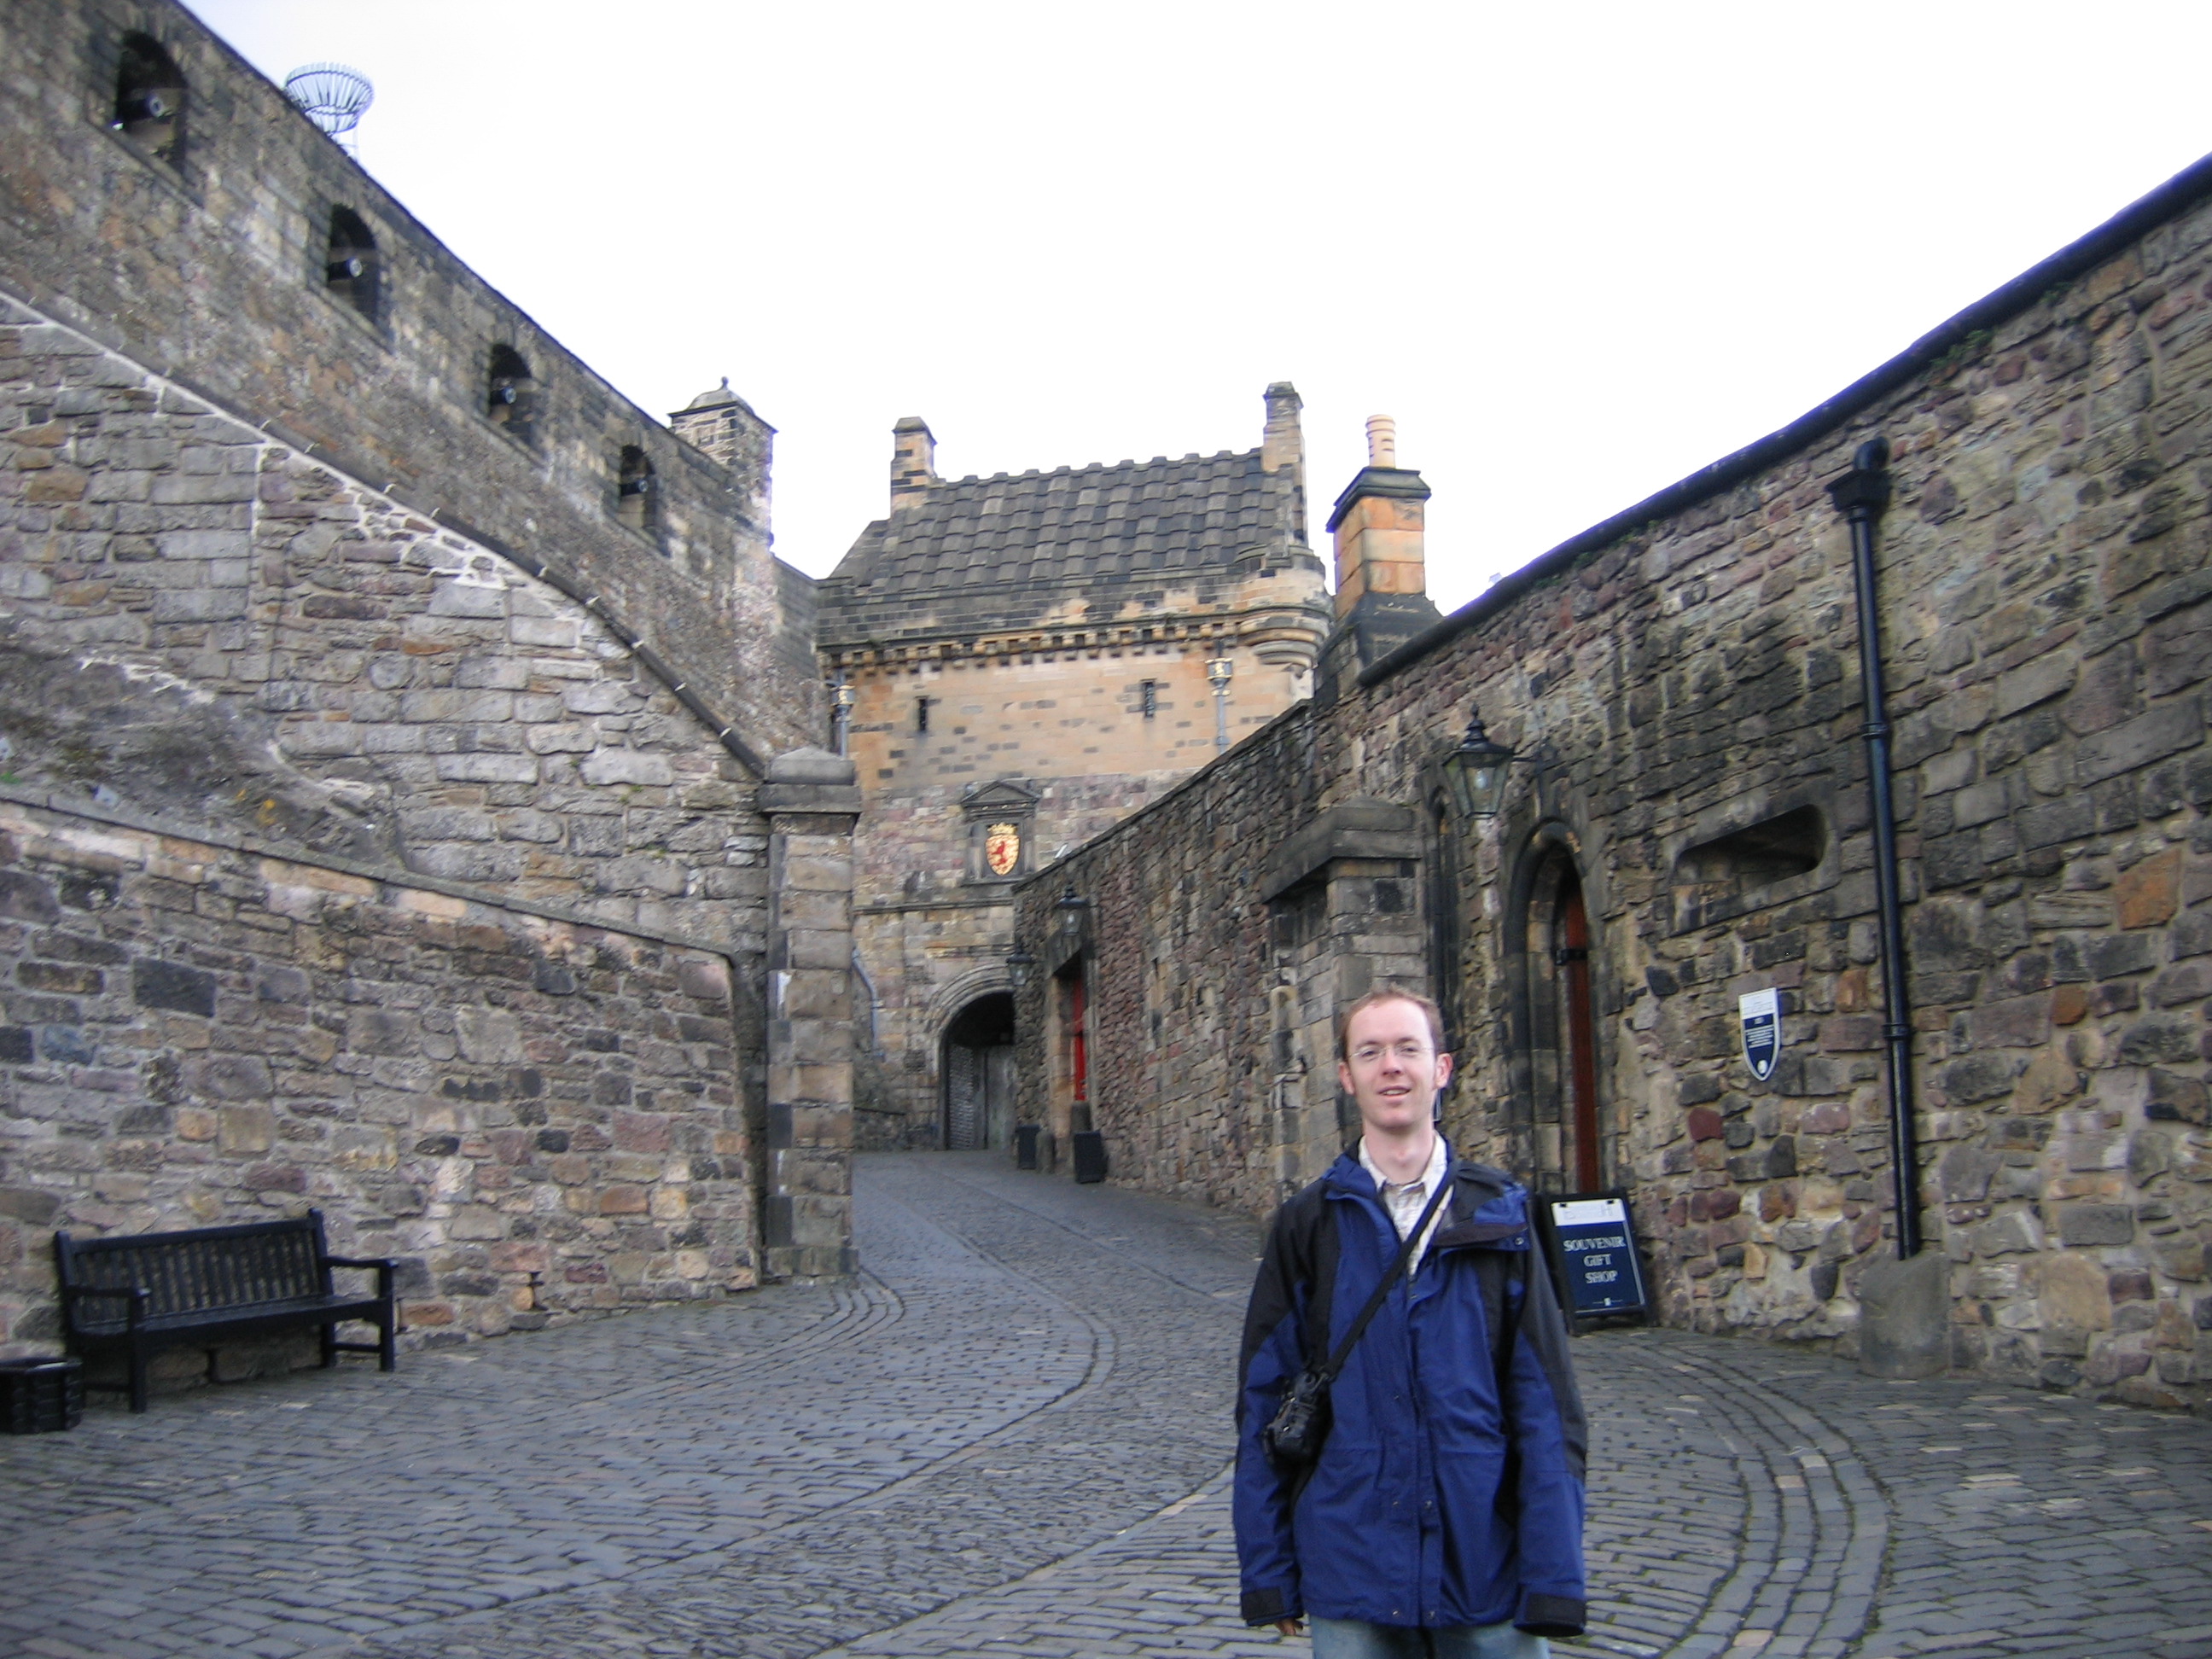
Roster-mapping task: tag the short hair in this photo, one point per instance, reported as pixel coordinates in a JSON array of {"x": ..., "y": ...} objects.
[{"x": 1390, "y": 994}]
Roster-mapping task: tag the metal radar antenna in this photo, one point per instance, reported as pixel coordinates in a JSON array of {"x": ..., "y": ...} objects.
[{"x": 333, "y": 97}]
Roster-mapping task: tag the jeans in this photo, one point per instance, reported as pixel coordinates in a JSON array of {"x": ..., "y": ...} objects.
[{"x": 1348, "y": 1639}]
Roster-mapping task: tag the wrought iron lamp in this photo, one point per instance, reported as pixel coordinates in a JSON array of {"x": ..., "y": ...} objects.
[
  {"x": 1021, "y": 966},
  {"x": 1475, "y": 772},
  {"x": 1073, "y": 910}
]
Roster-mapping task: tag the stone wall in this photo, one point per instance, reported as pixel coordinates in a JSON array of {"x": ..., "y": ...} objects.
[
  {"x": 541, "y": 1118},
  {"x": 203, "y": 251},
  {"x": 461, "y": 674},
  {"x": 1681, "y": 687},
  {"x": 933, "y": 940},
  {"x": 200, "y": 621},
  {"x": 1064, "y": 716}
]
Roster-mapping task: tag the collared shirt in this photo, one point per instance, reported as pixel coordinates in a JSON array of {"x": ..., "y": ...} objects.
[{"x": 1406, "y": 1202}]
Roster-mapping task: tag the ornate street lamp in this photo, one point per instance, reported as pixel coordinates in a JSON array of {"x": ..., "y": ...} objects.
[
  {"x": 1020, "y": 966},
  {"x": 1475, "y": 771},
  {"x": 840, "y": 711},
  {"x": 1217, "y": 672}
]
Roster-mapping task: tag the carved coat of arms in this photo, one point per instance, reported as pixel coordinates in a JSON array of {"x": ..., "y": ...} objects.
[{"x": 1002, "y": 848}]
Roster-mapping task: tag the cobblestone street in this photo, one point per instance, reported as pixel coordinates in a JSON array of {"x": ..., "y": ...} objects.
[{"x": 1010, "y": 1439}]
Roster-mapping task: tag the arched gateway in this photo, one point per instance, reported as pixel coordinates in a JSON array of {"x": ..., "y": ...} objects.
[{"x": 978, "y": 1069}]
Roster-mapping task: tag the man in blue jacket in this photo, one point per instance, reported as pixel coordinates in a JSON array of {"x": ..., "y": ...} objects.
[{"x": 1444, "y": 1518}]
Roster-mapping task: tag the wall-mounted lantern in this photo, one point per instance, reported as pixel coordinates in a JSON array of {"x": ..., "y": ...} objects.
[
  {"x": 1021, "y": 967},
  {"x": 1475, "y": 771},
  {"x": 1073, "y": 910},
  {"x": 1217, "y": 672}
]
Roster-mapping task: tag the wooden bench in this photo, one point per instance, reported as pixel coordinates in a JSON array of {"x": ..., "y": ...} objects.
[{"x": 139, "y": 1293}]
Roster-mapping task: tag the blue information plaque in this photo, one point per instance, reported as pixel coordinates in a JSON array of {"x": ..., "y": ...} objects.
[{"x": 1595, "y": 1243}]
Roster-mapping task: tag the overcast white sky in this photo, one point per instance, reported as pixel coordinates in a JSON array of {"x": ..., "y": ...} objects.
[{"x": 1577, "y": 250}]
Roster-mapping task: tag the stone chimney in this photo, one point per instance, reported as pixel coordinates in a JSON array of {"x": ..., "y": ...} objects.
[
  {"x": 1283, "y": 446},
  {"x": 1377, "y": 525},
  {"x": 913, "y": 461},
  {"x": 1382, "y": 573}
]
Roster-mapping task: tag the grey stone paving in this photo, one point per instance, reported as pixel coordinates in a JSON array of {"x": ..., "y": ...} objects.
[{"x": 1011, "y": 1439}]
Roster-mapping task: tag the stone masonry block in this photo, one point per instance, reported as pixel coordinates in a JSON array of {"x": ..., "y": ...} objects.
[
  {"x": 199, "y": 605},
  {"x": 808, "y": 1042},
  {"x": 817, "y": 873},
  {"x": 823, "y": 912},
  {"x": 816, "y": 948},
  {"x": 818, "y": 1084},
  {"x": 2163, "y": 731},
  {"x": 2086, "y": 1224},
  {"x": 821, "y": 1220},
  {"x": 812, "y": 1171},
  {"x": 488, "y": 769},
  {"x": 628, "y": 766},
  {"x": 2148, "y": 892}
]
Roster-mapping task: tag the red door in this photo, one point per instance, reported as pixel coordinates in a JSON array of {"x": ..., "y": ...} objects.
[
  {"x": 1581, "y": 1036},
  {"x": 1078, "y": 1045}
]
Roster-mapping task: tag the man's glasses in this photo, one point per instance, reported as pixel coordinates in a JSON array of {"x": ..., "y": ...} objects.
[{"x": 1410, "y": 1052}]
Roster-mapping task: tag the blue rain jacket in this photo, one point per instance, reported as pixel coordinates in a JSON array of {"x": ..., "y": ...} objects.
[{"x": 1449, "y": 1489}]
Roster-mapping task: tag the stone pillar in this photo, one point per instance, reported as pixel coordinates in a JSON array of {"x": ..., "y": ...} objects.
[{"x": 812, "y": 804}]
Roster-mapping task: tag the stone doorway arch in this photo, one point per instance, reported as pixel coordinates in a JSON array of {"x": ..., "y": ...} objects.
[
  {"x": 1567, "y": 1134},
  {"x": 977, "y": 1066}
]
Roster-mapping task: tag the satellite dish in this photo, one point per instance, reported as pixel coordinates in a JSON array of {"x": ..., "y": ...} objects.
[{"x": 332, "y": 96}]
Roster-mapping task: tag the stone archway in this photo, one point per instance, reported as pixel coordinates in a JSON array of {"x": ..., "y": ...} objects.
[
  {"x": 1565, "y": 1133},
  {"x": 977, "y": 1068}
]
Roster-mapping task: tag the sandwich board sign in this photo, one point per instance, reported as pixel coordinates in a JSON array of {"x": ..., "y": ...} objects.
[
  {"x": 1760, "y": 1013},
  {"x": 1594, "y": 1242}
]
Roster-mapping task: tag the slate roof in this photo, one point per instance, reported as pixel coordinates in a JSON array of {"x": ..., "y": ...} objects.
[{"x": 974, "y": 554}]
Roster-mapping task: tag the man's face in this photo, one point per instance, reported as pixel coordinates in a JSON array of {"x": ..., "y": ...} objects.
[{"x": 1391, "y": 1067}]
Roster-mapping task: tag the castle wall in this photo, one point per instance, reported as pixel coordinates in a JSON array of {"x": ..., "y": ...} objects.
[
  {"x": 2045, "y": 606},
  {"x": 390, "y": 814},
  {"x": 539, "y": 1118},
  {"x": 1069, "y": 725},
  {"x": 196, "y": 619},
  {"x": 210, "y": 265},
  {"x": 1072, "y": 712},
  {"x": 386, "y": 759}
]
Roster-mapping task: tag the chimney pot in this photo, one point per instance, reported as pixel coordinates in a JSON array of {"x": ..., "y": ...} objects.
[{"x": 1382, "y": 440}]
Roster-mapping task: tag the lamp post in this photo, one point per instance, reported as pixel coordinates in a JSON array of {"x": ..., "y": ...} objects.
[
  {"x": 1475, "y": 772},
  {"x": 1218, "y": 671},
  {"x": 840, "y": 712}
]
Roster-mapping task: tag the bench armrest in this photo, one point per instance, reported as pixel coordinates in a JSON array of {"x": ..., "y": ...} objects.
[
  {"x": 386, "y": 1267},
  {"x": 137, "y": 1295}
]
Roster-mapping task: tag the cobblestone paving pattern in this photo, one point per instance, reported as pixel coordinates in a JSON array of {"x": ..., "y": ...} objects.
[{"x": 1010, "y": 1440}]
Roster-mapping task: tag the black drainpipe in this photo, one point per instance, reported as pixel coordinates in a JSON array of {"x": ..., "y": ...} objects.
[{"x": 1859, "y": 495}]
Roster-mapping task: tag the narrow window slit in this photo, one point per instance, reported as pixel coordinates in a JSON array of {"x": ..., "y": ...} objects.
[
  {"x": 351, "y": 269},
  {"x": 149, "y": 99}
]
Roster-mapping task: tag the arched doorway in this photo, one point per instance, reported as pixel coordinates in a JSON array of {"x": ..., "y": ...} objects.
[
  {"x": 1570, "y": 1151},
  {"x": 978, "y": 1070}
]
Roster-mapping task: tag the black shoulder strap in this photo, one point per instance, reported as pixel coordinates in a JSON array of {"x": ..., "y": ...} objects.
[{"x": 1390, "y": 1280}]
